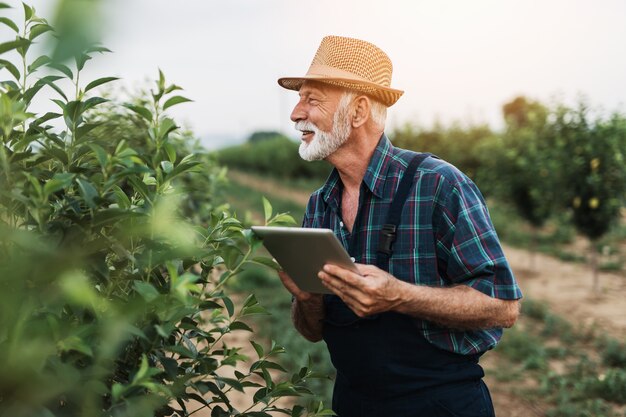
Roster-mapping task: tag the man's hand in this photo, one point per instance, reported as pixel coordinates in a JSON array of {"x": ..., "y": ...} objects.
[
  {"x": 371, "y": 291},
  {"x": 457, "y": 307},
  {"x": 300, "y": 295},
  {"x": 307, "y": 311}
]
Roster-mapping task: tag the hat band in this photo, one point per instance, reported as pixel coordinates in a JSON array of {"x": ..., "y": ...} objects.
[{"x": 332, "y": 72}]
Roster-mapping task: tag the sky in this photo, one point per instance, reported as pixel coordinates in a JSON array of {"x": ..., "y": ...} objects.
[{"x": 456, "y": 60}]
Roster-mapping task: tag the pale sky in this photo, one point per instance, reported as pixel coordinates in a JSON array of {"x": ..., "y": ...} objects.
[{"x": 455, "y": 59}]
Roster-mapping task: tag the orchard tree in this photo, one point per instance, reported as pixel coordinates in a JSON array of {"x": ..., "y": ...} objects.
[
  {"x": 522, "y": 163},
  {"x": 592, "y": 157}
]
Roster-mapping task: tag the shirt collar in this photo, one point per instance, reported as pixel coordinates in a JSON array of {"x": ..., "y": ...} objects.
[{"x": 374, "y": 175}]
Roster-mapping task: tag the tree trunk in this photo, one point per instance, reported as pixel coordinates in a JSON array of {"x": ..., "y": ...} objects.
[{"x": 593, "y": 260}]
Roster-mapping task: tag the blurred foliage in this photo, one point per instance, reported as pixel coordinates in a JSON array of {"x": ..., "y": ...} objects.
[
  {"x": 593, "y": 165},
  {"x": 276, "y": 156},
  {"x": 458, "y": 144},
  {"x": 114, "y": 256},
  {"x": 524, "y": 163}
]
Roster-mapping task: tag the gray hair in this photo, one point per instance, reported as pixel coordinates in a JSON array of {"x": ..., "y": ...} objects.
[{"x": 378, "y": 111}]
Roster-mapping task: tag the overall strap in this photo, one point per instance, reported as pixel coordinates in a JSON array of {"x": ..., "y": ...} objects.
[{"x": 388, "y": 233}]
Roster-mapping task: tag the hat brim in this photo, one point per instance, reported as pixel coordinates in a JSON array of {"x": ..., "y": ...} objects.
[{"x": 387, "y": 96}]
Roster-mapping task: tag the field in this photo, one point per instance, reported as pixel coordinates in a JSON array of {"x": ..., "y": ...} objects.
[{"x": 565, "y": 356}]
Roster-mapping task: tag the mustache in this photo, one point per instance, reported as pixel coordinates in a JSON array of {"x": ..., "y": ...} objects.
[{"x": 306, "y": 125}]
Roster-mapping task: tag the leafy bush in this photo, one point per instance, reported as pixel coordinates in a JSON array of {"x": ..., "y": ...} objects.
[
  {"x": 457, "y": 144},
  {"x": 112, "y": 296}
]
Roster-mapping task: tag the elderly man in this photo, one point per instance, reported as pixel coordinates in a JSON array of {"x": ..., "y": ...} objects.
[{"x": 434, "y": 289}]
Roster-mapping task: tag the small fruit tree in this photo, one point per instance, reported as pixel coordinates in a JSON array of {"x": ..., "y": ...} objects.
[
  {"x": 593, "y": 162},
  {"x": 112, "y": 300}
]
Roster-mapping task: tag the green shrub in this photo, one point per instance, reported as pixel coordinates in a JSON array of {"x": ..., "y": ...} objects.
[
  {"x": 112, "y": 268},
  {"x": 613, "y": 353}
]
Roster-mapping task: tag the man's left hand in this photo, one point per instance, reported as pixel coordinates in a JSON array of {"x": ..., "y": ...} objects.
[{"x": 373, "y": 291}]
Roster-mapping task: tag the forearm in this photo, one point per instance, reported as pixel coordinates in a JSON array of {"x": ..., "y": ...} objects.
[
  {"x": 307, "y": 318},
  {"x": 459, "y": 307}
]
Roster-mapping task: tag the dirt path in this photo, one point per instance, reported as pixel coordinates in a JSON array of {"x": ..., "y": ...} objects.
[
  {"x": 566, "y": 287},
  {"x": 269, "y": 187}
]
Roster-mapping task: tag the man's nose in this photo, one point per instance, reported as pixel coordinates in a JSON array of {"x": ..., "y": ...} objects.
[{"x": 298, "y": 113}]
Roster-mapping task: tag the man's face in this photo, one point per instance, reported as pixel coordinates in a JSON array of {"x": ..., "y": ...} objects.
[{"x": 323, "y": 119}]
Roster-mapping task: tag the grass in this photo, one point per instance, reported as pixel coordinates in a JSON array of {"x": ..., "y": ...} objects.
[
  {"x": 577, "y": 372},
  {"x": 245, "y": 199}
]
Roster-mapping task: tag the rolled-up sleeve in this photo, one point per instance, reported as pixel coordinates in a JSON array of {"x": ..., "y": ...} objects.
[{"x": 468, "y": 249}]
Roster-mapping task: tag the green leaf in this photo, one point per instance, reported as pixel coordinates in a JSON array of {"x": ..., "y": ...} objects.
[
  {"x": 46, "y": 117},
  {"x": 230, "y": 306},
  {"x": 167, "y": 166},
  {"x": 93, "y": 101},
  {"x": 38, "y": 30},
  {"x": 239, "y": 325},
  {"x": 9, "y": 46},
  {"x": 140, "y": 110},
  {"x": 28, "y": 11},
  {"x": 9, "y": 23},
  {"x": 121, "y": 198},
  {"x": 5, "y": 6},
  {"x": 167, "y": 125},
  {"x": 57, "y": 153},
  {"x": 62, "y": 68},
  {"x": 97, "y": 48},
  {"x": 58, "y": 182},
  {"x": 259, "y": 349},
  {"x": 99, "y": 81},
  {"x": 171, "y": 152},
  {"x": 11, "y": 68},
  {"x": 266, "y": 262},
  {"x": 42, "y": 60},
  {"x": 146, "y": 290},
  {"x": 174, "y": 101},
  {"x": 252, "y": 310},
  {"x": 265, "y": 364},
  {"x": 49, "y": 80},
  {"x": 75, "y": 343},
  {"x": 88, "y": 192},
  {"x": 267, "y": 209},
  {"x": 101, "y": 154},
  {"x": 117, "y": 390}
]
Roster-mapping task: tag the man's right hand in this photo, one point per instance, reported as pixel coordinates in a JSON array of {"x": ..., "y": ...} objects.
[
  {"x": 302, "y": 296},
  {"x": 307, "y": 311}
]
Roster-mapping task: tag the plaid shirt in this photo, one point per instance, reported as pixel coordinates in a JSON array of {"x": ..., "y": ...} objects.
[{"x": 445, "y": 236}]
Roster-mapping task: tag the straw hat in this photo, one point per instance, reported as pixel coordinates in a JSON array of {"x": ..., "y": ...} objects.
[{"x": 350, "y": 63}]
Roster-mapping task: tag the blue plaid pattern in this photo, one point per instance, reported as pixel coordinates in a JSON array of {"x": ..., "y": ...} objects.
[{"x": 445, "y": 235}]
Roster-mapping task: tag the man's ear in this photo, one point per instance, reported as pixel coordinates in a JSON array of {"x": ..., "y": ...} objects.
[{"x": 361, "y": 113}]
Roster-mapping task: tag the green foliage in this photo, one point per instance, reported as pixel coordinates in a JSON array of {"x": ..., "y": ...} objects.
[
  {"x": 524, "y": 162},
  {"x": 277, "y": 156},
  {"x": 457, "y": 144},
  {"x": 260, "y": 136},
  {"x": 112, "y": 264},
  {"x": 593, "y": 166}
]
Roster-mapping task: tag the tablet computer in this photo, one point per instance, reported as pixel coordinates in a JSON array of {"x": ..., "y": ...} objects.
[{"x": 302, "y": 252}]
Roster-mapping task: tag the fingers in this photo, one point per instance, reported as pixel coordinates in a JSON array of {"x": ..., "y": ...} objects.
[
  {"x": 345, "y": 275},
  {"x": 291, "y": 286}
]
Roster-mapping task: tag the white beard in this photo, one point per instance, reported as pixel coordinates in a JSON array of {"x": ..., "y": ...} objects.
[{"x": 324, "y": 143}]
